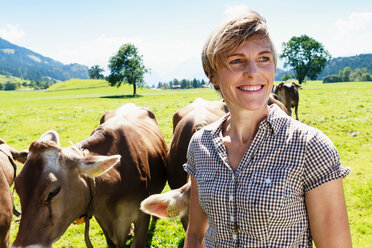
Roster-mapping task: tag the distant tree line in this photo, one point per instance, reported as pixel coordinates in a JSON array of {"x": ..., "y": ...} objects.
[
  {"x": 333, "y": 66},
  {"x": 349, "y": 75},
  {"x": 182, "y": 84},
  {"x": 32, "y": 85},
  {"x": 354, "y": 62}
]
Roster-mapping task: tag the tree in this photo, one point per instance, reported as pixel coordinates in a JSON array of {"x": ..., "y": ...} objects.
[
  {"x": 305, "y": 56},
  {"x": 127, "y": 67},
  {"x": 287, "y": 76},
  {"x": 345, "y": 75},
  {"x": 95, "y": 72},
  {"x": 10, "y": 86}
]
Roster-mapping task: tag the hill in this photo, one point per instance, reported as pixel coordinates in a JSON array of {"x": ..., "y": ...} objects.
[
  {"x": 74, "y": 84},
  {"x": 23, "y": 63},
  {"x": 339, "y": 63},
  {"x": 335, "y": 65}
]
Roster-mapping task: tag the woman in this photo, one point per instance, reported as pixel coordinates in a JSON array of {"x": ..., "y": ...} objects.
[{"x": 259, "y": 178}]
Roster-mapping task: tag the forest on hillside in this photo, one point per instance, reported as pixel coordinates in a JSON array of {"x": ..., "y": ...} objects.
[{"x": 23, "y": 63}]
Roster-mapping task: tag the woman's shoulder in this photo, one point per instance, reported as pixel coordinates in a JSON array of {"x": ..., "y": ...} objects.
[{"x": 309, "y": 134}]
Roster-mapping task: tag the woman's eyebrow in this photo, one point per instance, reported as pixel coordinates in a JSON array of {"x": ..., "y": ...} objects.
[{"x": 242, "y": 54}]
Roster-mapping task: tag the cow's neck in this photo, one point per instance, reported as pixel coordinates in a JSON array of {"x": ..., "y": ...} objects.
[{"x": 98, "y": 143}]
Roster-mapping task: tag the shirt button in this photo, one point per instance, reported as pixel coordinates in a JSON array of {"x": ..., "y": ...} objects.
[
  {"x": 234, "y": 236},
  {"x": 268, "y": 181},
  {"x": 231, "y": 197},
  {"x": 232, "y": 218},
  {"x": 233, "y": 177}
]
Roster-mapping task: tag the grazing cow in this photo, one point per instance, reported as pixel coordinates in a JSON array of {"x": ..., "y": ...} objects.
[
  {"x": 7, "y": 174},
  {"x": 186, "y": 121},
  {"x": 288, "y": 94},
  {"x": 59, "y": 185}
]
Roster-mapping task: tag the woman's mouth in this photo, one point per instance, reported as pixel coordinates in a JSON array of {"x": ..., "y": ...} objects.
[{"x": 252, "y": 88}]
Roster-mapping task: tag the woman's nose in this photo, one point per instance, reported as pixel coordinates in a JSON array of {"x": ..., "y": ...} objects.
[{"x": 250, "y": 69}]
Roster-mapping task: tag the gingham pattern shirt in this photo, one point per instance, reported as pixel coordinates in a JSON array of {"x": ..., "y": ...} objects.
[{"x": 262, "y": 203}]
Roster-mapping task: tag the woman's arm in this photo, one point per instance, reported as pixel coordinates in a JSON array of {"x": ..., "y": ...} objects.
[
  {"x": 198, "y": 220},
  {"x": 327, "y": 212}
]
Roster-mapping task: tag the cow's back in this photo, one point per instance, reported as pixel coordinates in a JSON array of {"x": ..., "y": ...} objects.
[
  {"x": 189, "y": 119},
  {"x": 135, "y": 136}
]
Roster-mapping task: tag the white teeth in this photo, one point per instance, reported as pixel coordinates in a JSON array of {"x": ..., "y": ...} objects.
[{"x": 250, "y": 88}]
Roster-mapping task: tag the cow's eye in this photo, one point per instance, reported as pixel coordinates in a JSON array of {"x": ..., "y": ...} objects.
[{"x": 53, "y": 194}]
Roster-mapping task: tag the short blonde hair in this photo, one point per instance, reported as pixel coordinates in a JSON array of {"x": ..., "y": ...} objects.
[{"x": 231, "y": 36}]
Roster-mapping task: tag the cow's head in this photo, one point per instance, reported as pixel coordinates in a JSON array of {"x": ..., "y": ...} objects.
[{"x": 54, "y": 190}]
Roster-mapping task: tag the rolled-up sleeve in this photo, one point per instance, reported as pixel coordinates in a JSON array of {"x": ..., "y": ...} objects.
[
  {"x": 189, "y": 166},
  {"x": 322, "y": 162}
]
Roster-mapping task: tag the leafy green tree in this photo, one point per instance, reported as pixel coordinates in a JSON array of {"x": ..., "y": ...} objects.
[
  {"x": 345, "y": 74},
  {"x": 1, "y": 86},
  {"x": 95, "y": 72},
  {"x": 10, "y": 86},
  {"x": 127, "y": 67},
  {"x": 287, "y": 76},
  {"x": 305, "y": 56}
]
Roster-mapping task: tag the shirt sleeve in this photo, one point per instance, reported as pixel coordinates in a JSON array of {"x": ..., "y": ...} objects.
[
  {"x": 322, "y": 162},
  {"x": 189, "y": 166}
]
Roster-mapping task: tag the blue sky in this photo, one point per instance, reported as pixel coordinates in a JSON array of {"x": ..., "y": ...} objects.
[{"x": 170, "y": 34}]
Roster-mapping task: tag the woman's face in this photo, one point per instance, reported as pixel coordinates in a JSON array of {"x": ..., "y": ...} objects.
[{"x": 249, "y": 80}]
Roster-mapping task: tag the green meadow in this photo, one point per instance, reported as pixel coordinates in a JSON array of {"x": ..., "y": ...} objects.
[{"x": 343, "y": 111}]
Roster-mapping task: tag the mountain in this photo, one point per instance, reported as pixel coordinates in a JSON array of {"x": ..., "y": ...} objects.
[
  {"x": 21, "y": 62},
  {"x": 354, "y": 62},
  {"x": 337, "y": 64}
]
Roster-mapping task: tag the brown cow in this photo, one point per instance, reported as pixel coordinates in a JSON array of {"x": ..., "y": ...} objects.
[
  {"x": 186, "y": 121},
  {"x": 8, "y": 169},
  {"x": 56, "y": 186},
  {"x": 288, "y": 94}
]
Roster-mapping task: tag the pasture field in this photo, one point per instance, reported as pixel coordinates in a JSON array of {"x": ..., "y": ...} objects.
[{"x": 341, "y": 110}]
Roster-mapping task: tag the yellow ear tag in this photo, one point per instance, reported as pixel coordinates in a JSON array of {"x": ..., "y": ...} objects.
[
  {"x": 80, "y": 221},
  {"x": 172, "y": 211}
]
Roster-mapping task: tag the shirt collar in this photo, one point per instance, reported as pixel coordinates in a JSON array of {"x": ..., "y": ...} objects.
[{"x": 276, "y": 119}]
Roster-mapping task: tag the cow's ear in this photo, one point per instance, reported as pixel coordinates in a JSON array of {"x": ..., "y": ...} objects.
[
  {"x": 51, "y": 135},
  {"x": 155, "y": 205},
  {"x": 97, "y": 165},
  {"x": 168, "y": 205},
  {"x": 20, "y": 156}
]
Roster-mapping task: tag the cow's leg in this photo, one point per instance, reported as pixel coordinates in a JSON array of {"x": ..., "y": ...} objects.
[
  {"x": 141, "y": 228},
  {"x": 296, "y": 112},
  {"x": 289, "y": 110},
  {"x": 4, "y": 236},
  {"x": 110, "y": 243},
  {"x": 185, "y": 221}
]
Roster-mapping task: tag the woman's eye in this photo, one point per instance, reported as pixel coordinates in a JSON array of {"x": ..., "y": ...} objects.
[
  {"x": 264, "y": 59},
  {"x": 236, "y": 61}
]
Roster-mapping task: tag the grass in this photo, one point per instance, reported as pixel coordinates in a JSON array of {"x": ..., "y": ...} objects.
[{"x": 73, "y": 108}]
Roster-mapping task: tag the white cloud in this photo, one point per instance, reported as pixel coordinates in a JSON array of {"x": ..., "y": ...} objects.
[
  {"x": 355, "y": 23},
  {"x": 11, "y": 32},
  {"x": 235, "y": 10},
  {"x": 161, "y": 56},
  {"x": 352, "y": 35}
]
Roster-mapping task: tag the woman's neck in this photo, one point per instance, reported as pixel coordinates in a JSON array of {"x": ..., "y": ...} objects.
[{"x": 242, "y": 125}]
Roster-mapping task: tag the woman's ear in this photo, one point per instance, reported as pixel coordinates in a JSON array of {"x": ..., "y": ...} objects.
[{"x": 214, "y": 82}]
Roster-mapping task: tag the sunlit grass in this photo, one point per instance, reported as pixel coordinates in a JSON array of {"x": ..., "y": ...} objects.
[{"x": 341, "y": 110}]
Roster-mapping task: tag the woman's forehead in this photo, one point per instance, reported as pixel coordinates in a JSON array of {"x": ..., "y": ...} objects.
[{"x": 256, "y": 43}]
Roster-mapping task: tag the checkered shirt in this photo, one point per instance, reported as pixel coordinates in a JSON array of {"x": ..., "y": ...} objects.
[{"x": 262, "y": 203}]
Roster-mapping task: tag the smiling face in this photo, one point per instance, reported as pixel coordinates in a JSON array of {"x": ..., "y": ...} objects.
[{"x": 246, "y": 82}]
